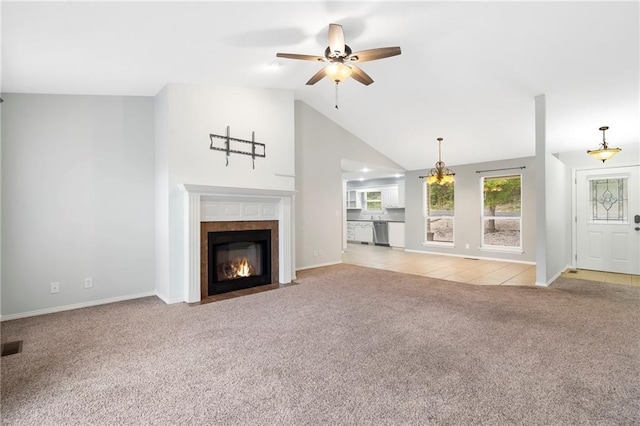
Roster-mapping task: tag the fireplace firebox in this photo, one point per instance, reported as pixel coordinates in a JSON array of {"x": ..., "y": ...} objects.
[{"x": 238, "y": 260}]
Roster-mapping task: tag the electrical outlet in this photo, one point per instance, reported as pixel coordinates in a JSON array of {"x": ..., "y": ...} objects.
[
  {"x": 319, "y": 252},
  {"x": 466, "y": 246},
  {"x": 88, "y": 282},
  {"x": 55, "y": 287}
]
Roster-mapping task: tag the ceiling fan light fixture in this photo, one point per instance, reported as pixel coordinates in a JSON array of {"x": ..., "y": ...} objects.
[
  {"x": 603, "y": 153},
  {"x": 338, "y": 72}
]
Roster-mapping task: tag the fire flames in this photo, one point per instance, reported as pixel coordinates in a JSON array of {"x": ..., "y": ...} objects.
[{"x": 239, "y": 269}]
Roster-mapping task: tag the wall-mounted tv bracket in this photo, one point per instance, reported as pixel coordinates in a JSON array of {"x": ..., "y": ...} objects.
[{"x": 257, "y": 149}]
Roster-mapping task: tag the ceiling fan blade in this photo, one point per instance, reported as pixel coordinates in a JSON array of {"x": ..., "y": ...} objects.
[
  {"x": 373, "y": 54},
  {"x": 358, "y": 75},
  {"x": 336, "y": 39},
  {"x": 302, "y": 57},
  {"x": 317, "y": 77}
]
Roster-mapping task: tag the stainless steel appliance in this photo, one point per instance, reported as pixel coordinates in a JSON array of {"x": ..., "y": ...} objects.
[{"x": 380, "y": 233}]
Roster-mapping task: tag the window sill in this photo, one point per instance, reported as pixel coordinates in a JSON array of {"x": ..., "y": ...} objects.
[
  {"x": 516, "y": 250},
  {"x": 437, "y": 244}
]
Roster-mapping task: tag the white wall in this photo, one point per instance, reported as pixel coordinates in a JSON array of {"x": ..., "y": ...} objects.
[
  {"x": 320, "y": 147},
  {"x": 468, "y": 201},
  {"x": 553, "y": 205},
  {"x": 558, "y": 217},
  {"x": 77, "y": 199},
  {"x": 185, "y": 116}
]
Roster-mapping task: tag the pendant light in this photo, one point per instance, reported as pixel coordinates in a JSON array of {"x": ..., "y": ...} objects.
[
  {"x": 440, "y": 174},
  {"x": 603, "y": 153}
]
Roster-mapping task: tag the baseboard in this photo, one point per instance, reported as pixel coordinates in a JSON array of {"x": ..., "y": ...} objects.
[
  {"x": 75, "y": 306},
  {"x": 467, "y": 256},
  {"x": 168, "y": 300},
  {"x": 320, "y": 265},
  {"x": 555, "y": 277}
]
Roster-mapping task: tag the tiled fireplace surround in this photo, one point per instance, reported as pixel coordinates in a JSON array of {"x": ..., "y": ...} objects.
[{"x": 207, "y": 204}]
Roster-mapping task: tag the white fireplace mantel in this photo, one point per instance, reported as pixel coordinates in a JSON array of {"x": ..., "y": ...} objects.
[{"x": 214, "y": 203}]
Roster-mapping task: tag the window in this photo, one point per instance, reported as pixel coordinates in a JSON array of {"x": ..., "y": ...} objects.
[
  {"x": 501, "y": 213},
  {"x": 373, "y": 200},
  {"x": 608, "y": 200},
  {"x": 439, "y": 212}
]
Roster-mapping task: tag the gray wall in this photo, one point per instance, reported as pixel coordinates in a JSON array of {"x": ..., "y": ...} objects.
[
  {"x": 468, "y": 201},
  {"x": 77, "y": 198},
  {"x": 320, "y": 147}
]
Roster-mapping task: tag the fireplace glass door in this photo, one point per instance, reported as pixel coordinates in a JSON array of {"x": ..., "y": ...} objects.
[{"x": 238, "y": 260}]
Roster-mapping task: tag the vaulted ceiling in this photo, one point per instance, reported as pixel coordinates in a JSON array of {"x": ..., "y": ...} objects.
[{"x": 469, "y": 71}]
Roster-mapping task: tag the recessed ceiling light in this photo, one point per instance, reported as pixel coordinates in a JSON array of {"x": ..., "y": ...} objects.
[
  {"x": 365, "y": 170},
  {"x": 361, "y": 179}
]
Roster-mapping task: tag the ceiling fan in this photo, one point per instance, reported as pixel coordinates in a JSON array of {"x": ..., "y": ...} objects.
[{"x": 341, "y": 60}]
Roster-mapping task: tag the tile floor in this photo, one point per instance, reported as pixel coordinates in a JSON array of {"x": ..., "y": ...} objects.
[
  {"x": 467, "y": 270},
  {"x": 605, "y": 277}
]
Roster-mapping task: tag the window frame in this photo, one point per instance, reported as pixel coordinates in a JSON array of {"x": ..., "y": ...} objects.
[
  {"x": 483, "y": 217},
  {"x": 365, "y": 201},
  {"x": 427, "y": 217}
]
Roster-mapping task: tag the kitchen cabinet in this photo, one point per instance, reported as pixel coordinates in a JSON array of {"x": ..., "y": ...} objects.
[
  {"x": 401, "y": 189},
  {"x": 391, "y": 197},
  {"x": 396, "y": 234},
  {"x": 351, "y": 231},
  {"x": 364, "y": 232},
  {"x": 360, "y": 231},
  {"x": 354, "y": 199}
]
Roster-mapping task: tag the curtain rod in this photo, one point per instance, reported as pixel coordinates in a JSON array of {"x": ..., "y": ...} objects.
[{"x": 498, "y": 170}]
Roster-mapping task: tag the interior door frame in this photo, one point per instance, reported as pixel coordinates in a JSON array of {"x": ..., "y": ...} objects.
[{"x": 574, "y": 205}]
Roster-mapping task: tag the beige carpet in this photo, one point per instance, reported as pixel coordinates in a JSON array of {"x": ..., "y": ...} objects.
[{"x": 349, "y": 345}]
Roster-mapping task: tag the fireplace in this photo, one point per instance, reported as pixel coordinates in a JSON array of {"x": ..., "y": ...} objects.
[
  {"x": 238, "y": 260},
  {"x": 237, "y": 255}
]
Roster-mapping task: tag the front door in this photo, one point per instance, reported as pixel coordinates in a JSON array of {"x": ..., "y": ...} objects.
[{"x": 608, "y": 237}]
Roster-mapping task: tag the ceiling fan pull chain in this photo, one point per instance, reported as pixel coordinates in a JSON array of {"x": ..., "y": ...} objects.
[{"x": 336, "y": 95}]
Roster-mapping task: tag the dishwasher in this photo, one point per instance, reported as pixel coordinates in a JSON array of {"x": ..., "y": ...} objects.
[{"x": 381, "y": 233}]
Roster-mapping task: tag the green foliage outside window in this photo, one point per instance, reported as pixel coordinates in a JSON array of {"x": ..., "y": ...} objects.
[
  {"x": 374, "y": 201},
  {"x": 502, "y": 197},
  {"x": 440, "y": 197},
  {"x": 440, "y": 209}
]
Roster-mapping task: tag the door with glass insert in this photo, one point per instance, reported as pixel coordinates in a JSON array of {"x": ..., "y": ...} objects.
[{"x": 608, "y": 239}]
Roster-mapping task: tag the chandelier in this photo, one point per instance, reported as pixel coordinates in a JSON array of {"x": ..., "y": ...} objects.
[
  {"x": 440, "y": 174},
  {"x": 604, "y": 152}
]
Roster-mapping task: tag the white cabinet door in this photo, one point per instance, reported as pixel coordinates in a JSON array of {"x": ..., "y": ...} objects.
[
  {"x": 351, "y": 231},
  {"x": 364, "y": 232},
  {"x": 354, "y": 199},
  {"x": 390, "y": 196},
  {"x": 396, "y": 234},
  {"x": 401, "y": 194}
]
